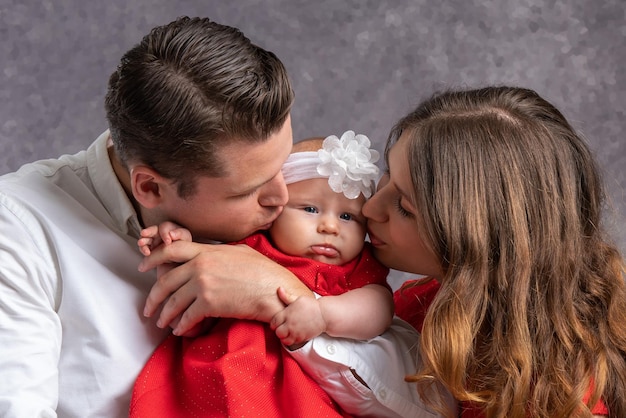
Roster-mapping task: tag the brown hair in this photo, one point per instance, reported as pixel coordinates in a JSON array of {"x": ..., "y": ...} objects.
[
  {"x": 308, "y": 144},
  {"x": 532, "y": 305},
  {"x": 188, "y": 88}
]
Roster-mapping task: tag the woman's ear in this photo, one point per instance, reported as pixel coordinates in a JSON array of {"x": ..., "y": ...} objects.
[{"x": 147, "y": 186}]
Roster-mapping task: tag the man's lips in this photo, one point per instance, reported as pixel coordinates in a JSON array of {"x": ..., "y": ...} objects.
[
  {"x": 272, "y": 219},
  {"x": 265, "y": 227},
  {"x": 325, "y": 250}
]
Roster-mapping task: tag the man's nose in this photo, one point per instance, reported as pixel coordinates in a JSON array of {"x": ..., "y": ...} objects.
[{"x": 274, "y": 193}]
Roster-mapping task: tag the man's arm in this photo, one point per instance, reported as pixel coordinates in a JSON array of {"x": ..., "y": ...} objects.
[
  {"x": 30, "y": 330},
  {"x": 232, "y": 281}
]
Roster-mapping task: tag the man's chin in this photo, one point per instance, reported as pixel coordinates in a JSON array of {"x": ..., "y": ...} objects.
[
  {"x": 264, "y": 227},
  {"x": 246, "y": 234}
]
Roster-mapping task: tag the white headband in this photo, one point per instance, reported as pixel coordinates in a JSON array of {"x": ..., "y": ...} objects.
[{"x": 348, "y": 163}]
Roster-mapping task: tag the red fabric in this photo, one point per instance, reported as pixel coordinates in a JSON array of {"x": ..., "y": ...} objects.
[
  {"x": 600, "y": 408},
  {"x": 411, "y": 304},
  {"x": 326, "y": 279},
  {"x": 240, "y": 369},
  {"x": 468, "y": 411},
  {"x": 472, "y": 412}
]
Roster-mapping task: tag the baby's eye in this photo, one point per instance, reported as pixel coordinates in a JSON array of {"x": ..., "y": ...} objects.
[
  {"x": 310, "y": 209},
  {"x": 345, "y": 216}
]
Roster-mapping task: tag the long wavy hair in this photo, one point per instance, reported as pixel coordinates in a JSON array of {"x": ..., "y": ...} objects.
[{"x": 531, "y": 315}]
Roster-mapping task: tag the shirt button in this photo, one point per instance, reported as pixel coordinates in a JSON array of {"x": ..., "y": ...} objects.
[
  {"x": 382, "y": 394},
  {"x": 331, "y": 349}
]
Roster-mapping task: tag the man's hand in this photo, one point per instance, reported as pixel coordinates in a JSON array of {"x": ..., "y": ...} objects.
[{"x": 231, "y": 281}]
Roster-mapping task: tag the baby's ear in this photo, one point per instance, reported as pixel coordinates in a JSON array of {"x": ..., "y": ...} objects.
[{"x": 147, "y": 186}]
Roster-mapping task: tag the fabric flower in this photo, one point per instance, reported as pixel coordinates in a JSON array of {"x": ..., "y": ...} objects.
[{"x": 348, "y": 162}]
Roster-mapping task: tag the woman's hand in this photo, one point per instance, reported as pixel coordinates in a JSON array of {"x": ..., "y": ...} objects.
[{"x": 231, "y": 281}]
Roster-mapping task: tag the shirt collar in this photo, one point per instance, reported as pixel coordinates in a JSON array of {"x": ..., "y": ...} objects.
[{"x": 108, "y": 188}]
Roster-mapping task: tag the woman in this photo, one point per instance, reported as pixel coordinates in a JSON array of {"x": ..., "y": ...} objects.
[
  {"x": 493, "y": 194},
  {"x": 502, "y": 200}
]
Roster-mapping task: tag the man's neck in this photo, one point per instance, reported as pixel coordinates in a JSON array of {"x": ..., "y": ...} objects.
[{"x": 123, "y": 176}]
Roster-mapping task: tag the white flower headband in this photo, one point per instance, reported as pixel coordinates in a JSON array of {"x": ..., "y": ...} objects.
[{"x": 347, "y": 162}]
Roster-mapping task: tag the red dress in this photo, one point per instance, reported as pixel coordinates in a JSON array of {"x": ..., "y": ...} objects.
[
  {"x": 411, "y": 305},
  {"x": 239, "y": 368}
]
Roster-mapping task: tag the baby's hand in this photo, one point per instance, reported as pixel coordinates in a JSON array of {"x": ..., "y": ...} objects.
[
  {"x": 149, "y": 239},
  {"x": 300, "y": 321},
  {"x": 164, "y": 233}
]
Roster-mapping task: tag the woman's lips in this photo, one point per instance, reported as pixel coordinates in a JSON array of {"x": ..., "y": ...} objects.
[{"x": 375, "y": 241}]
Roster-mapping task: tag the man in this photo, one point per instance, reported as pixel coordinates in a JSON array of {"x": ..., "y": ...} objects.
[
  {"x": 199, "y": 122},
  {"x": 199, "y": 128}
]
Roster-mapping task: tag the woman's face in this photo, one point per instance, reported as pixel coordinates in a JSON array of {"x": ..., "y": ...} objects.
[{"x": 393, "y": 220}]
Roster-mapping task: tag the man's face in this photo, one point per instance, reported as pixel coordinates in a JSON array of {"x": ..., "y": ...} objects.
[
  {"x": 247, "y": 199},
  {"x": 320, "y": 224}
]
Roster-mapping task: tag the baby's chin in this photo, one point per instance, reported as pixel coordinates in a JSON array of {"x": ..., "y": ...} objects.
[{"x": 327, "y": 256}]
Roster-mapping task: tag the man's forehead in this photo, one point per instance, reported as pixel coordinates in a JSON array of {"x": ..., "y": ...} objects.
[
  {"x": 247, "y": 166},
  {"x": 249, "y": 163}
]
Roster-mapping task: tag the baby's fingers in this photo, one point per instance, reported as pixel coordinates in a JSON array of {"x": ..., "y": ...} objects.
[
  {"x": 150, "y": 231},
  {"x": 144, "y": 245},
  {"x": 278, "y": 320},
  {"x": 282, "y": 332},
  {"x": 285, "y": 296},
  {"x": 179, "y": 234}
]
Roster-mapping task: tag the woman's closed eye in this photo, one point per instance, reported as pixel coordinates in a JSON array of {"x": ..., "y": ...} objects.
[{"x": 400, "y": 209}]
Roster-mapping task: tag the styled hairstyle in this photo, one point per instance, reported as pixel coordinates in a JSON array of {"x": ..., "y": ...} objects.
[
  {"x": 531, "y": 312},
  {"x": 187, "y": 89}
]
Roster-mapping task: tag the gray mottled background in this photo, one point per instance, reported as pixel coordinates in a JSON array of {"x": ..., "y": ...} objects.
[{"x": 355, "y": 64}]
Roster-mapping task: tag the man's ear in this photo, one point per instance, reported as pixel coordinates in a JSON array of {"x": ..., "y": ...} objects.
[{"x": 147, "y": 186}]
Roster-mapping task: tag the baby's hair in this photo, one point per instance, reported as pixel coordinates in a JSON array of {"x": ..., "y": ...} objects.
[{"x": 308, "y": 144}]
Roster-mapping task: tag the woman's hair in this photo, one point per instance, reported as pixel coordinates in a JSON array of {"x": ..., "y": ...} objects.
[
  {"x": 187, "y": 89},
  {"x": 531, "y": 314}
]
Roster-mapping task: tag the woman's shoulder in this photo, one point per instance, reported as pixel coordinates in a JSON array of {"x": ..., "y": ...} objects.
[{"x": 413, "y": 298}]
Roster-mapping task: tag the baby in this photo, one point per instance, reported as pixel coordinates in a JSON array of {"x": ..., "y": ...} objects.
[{"x": 320, "y": 237}]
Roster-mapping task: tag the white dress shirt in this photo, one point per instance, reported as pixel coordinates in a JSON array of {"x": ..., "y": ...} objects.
[{"x": 72, "y": 336}]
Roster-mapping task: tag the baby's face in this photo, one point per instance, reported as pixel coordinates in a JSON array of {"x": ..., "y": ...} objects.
[{"x": 320, "y": 224}]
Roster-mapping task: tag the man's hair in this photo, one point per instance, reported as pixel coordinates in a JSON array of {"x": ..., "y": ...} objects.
[{"x": 189, "y": 88}]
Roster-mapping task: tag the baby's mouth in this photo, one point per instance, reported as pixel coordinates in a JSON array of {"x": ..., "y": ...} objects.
[{"x": 325, "y": 250}]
